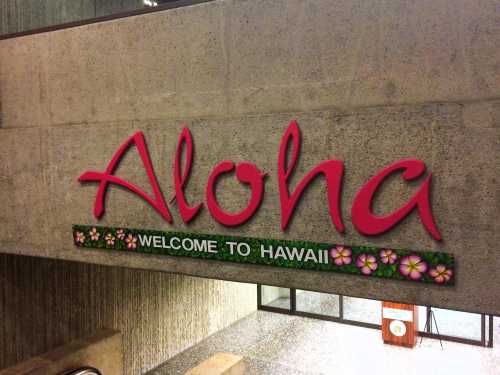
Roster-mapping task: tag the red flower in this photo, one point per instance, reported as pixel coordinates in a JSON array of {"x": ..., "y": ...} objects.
[
  {"x": 441, "y": 274},
  {"x": 131, "y": 242}
]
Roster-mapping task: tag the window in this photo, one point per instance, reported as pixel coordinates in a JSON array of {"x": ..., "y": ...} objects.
[
  {"x": 458, "y": 324},
  {"x": 28, "y": 17},
  {"x": 463, "y": 327},
  {"x": 274, "y": 297},
  {"x": 363, "y": 310},
  {"x": 318, "y": 303}
]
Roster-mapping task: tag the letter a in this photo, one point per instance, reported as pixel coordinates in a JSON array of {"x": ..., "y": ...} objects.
[
  {"x": 369, "y": 224},
  {"x": 107, "y": 178}
]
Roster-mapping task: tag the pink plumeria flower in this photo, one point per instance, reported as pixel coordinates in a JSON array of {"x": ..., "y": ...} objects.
[
  {"x": 120, "y": 234},
  {"x": 366, "y": 263},
  {"x": 110, "y": 239},
  {"x": 388, "y": 256},
  {"x": 341, "y": 255},
  {"x": 441, "y": 274},
  {"x": 79, "y": 237},
  {"x": 131, "y": 241},
  {"x": 412, "y": 266},
  {"x": 94, "y": 234}
]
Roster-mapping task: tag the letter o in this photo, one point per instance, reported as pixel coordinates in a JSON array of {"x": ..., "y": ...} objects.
[
  {"x": 190, "y": 241},
  {"x": 246, "y": 173},
  {"x": 243, "y": 252}
]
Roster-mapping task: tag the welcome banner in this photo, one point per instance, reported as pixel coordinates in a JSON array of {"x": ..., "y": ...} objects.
[{"x": 398, "y": 264}]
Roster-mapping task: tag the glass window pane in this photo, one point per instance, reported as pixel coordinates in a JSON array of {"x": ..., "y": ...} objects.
[
  {"x": 318, "y": 303},
  {"x": 457, "y": 323},
  {"x": 32, "y": 15},
  {"x": 422, "y": 318},
  {"x": 487, "y": 328},
  {"x": 363, "y": 310},
  {"x": 273, "y": 296}
]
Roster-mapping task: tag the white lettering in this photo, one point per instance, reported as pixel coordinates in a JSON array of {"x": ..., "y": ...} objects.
[
  {"x": 177, "y": 240},
  {"x": 311, "y": 255},
  {"x": 294, "y": 253},
  {"x": 266, "y": 252},
  {"x": 156, "y": 241},
  {"x": 232, "y": 246},
  {"x": 145, "y": 241},
  {"x": 187, "y": 244},
  {"x": 280, "y": 253},
  {"x": 243, "y": 249},
  {"x": 200, "y": 245},
  {"x": 212, "y": 246},
  {"x": 164, "y": 243}
]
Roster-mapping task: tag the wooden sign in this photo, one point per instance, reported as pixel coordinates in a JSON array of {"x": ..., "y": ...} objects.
[{"x": 399, "y": 324}]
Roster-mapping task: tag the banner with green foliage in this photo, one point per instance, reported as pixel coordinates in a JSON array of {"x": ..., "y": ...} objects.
[{"x": 398, "y": 264}]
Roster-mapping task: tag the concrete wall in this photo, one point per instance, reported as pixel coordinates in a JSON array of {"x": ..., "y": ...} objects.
[
  {"x": 369, "y": 84},
  {"x": 47, "y": 303},
  {"x": 103, "y": 351}
]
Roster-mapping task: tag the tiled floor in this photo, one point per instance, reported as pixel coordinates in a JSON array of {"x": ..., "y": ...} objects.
[{"x": 276, "y": 344}]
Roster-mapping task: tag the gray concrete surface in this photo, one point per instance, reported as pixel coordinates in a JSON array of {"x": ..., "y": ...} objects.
[
  {"x": 279, "y": 344},
  {"x": 368, "y": 84}
]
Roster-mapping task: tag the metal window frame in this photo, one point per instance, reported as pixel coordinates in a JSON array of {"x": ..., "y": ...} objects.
[{"x": 484, "y": 342}]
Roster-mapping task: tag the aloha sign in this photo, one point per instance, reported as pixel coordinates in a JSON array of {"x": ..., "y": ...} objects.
[
  {"x": 426, "y": 267},
  {"x": 364, "y": 220},
  {"x": 369, "y": 261}
]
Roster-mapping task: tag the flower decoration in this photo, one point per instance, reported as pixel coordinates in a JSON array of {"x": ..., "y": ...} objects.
[
  {"x": 366, "y": 263},
  {"x": 94, "y": 234},
  {"x": 79, "y": 238},
  {"x": 419, "y": 266},
  {"x": 441, "y": 274},
  {"x": 388, "y": 256},
  {"x": 110, "y": 239},
  {"x": 131, "y": 242},
  {"x": 341, "y": 255},
  {"x": 412, "y": 266},
  {"x": 120, "y": 234}
]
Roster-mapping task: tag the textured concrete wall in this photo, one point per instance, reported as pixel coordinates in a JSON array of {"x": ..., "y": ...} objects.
[
  {"x": 47, "y": 303},
  {"x": 103, "y": 351},
  {"x": 368, "y": 83}
]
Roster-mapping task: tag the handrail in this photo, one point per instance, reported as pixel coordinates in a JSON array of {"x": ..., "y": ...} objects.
[{"x": 83, "y": 371}]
